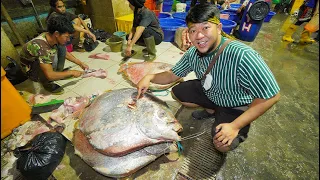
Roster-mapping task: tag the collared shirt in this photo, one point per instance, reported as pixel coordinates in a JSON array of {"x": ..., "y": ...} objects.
[
  {"x": 239, "y": 74},
  {"x": 147, "y": 18}
]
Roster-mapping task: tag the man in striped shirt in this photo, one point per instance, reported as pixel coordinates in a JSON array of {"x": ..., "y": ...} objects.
[{"x": 238, "y": 89}]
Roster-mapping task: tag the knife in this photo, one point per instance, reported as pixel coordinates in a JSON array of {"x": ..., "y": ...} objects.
[{"x": 46, "y": 107}]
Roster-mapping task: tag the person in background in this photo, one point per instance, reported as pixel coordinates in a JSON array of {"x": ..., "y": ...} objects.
[
  {"x": 58, "y": 8},
  {"x": 238, "y": 89},
  {"x": 241, "y": 9},
  {"x": 159, "y": 4},
  {"x": 146, "y": 30},
  {"x": 308, "y": 9},
  {"x": 43, "y": 57}
]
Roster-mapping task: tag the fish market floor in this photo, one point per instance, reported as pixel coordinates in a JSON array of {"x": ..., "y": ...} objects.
[{"x": 282, "y": 144}]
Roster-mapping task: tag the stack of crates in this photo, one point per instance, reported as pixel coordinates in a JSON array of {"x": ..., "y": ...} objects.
[{"x": 124, "y": 23}]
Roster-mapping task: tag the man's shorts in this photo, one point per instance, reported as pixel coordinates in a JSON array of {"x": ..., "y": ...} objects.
[{"x": 192, "y": 92}]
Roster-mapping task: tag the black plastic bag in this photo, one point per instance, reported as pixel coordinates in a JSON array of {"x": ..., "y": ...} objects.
[
  {"x": 39, "y": 158},
  {"x": 89, "y": 44},
  {"x": 14, "y": 72},
  {"x": 100, "y": 34}
]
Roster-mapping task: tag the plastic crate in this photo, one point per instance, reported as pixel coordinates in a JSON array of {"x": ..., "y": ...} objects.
[
  {"x": 14, "y": 109},
  {"x": 124, "y": 23}
]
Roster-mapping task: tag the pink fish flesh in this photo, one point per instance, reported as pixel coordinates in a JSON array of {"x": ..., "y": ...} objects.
[
  {"x": 118, "y": 166},
  {"x": 100, "y": 56},
  {"x": 100, "y": 73},
  {"x": 136, "y": 71},
  {"x": 71, "y": 106}
]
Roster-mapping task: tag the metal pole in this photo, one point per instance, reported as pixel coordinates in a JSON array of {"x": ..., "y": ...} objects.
[
  {"x": 37, "y": 16},
  {"x": 11, "y": 24}
]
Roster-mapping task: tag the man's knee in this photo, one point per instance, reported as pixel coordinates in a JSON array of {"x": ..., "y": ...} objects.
[{"x": 187, "y": 104}]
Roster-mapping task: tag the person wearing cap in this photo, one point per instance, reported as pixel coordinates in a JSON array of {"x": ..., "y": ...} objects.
[
  {"x": 238, "y": 88},
  {"x": 145, "y": 31}
]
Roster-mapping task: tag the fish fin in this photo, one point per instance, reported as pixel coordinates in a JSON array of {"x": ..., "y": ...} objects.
[
  {"x": 180, "y": 148},
  {"x": 123, "y": 67}
]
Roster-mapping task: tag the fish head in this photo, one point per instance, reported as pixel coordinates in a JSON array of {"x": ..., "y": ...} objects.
[{"x": 158, "y": 121}]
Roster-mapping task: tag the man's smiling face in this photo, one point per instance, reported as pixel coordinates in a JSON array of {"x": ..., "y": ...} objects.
[{"x": 204, "y": 35}]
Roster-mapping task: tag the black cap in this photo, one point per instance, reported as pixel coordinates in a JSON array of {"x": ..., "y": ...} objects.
[{"x": 137, "y": 3}]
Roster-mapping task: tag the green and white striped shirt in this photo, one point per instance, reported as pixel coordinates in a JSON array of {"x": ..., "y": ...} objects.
[{"x": 239, "y": 74}]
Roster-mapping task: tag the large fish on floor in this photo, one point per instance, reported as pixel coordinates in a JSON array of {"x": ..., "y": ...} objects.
[
  {"x": 136, "y": 71},
  {"x": 118, "y": 166},
  {"x": 114, "y": 129}
]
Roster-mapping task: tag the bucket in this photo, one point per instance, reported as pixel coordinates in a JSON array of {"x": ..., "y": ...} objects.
[
  {"x": 166, "y": 6},
  {"x": 180, "y": 15},
  {"x": 169, "y": 27},
  {"x": 188, "y": 7},
  {"x": 227, "y": 25},
  {"x": 181, "y": 7},
  {"x": 234, "y": 7},
  {"x": 269, "y": 16},
  {"x": 164, "y": 15},
  {"x": 232, "y": 15},
  {"x": 115, "y": 43},
  {"x": 120, "y": 34},
  {"x": 224, "y": 16}
]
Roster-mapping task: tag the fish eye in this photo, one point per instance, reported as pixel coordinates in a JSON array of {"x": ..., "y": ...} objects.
[{"x": 162, "y": 114}]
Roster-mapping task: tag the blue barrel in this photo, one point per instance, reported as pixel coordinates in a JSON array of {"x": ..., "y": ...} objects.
[
  {"x": 164, "y": 15},
  {"x": 232, "y": 15},
  {"x": 227, "y": 25},
  {"x": 169, "y": 27},
  {"x": 180, "y": 15},
  {"x": 248, "y": 27},
  {"x": 235, "y": 7},
  {"x": 188, "y": 7},
  {"x": 166, "y": 6},
  {"x": 269, "y": 16}
]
